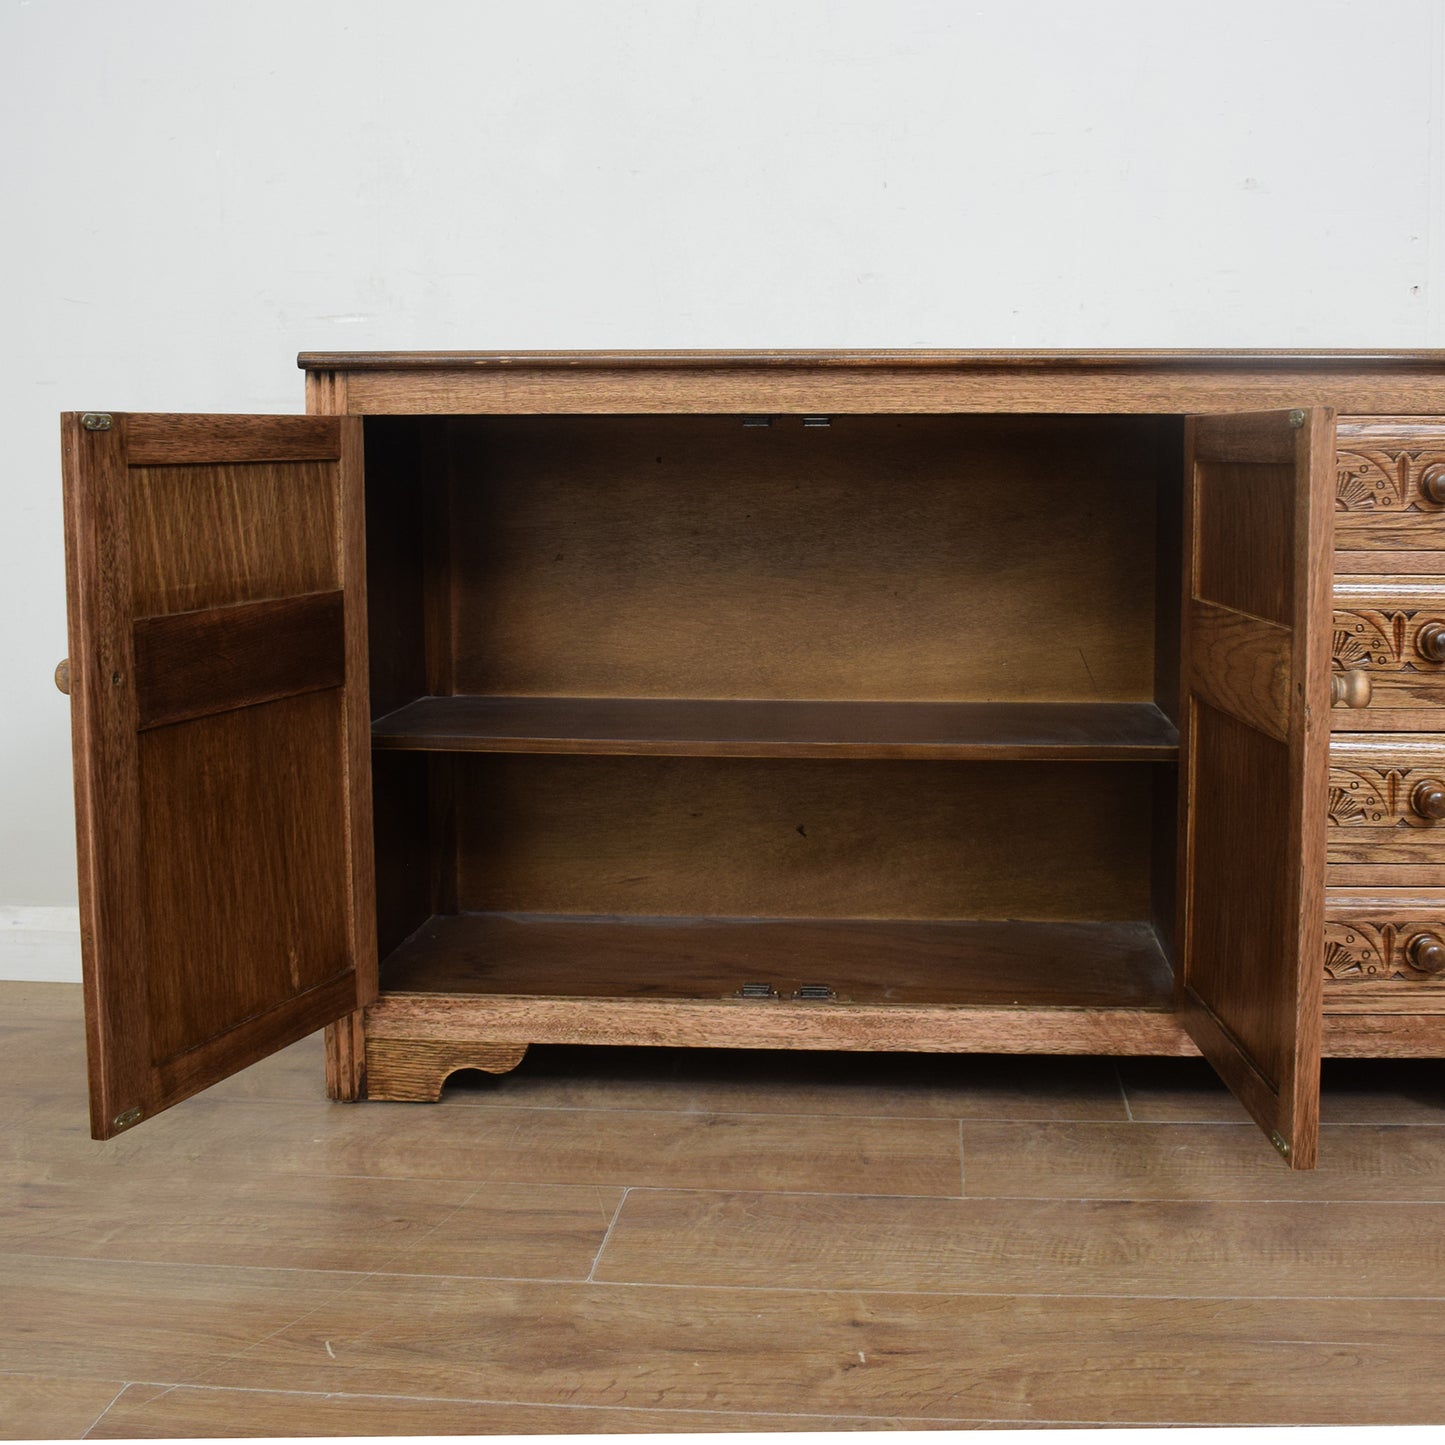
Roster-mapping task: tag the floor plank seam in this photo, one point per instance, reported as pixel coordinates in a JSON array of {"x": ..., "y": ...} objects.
[
  {"x": 612, "y": 1224},
  {"x": 583, "y": 1183},
  {"x": 168, "y": 1386},
  {"x": 85, "y": 1434},
  {"x": 362, "y": 1277},
  {"x": 1189, "y": 1199}
]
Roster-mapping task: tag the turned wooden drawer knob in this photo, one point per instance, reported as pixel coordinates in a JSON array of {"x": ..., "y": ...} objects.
[
  {"x": 62, "y": 675},
  {"x": 1430, "y": 642},
  {"x": 1350, "y": 689},
  {"x": 1432, "y": 483},
  {"x": 1426, "y": 952},
  {"x": 1428, "y": 799}
]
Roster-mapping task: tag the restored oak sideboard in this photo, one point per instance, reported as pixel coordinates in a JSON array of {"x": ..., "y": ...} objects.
[{"x": 950, "y": 701}]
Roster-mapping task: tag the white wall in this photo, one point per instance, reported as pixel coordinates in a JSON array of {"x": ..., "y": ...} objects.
[{"x": 194, "y": 190}]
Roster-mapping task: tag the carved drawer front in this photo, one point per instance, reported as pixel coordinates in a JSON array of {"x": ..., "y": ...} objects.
[
  {"x": 1384, "y": 950},
  {"x": 1390, "y": 493},
  {"x": 1387, "y": 807},
  {"x": 1388, "y": 653}
]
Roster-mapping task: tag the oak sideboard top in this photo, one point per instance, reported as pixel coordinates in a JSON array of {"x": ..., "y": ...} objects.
[
  {"x": 1360, "y": 381},
  {"x": 923, "y": 358}
]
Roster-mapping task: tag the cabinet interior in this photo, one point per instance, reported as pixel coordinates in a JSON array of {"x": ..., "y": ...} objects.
[{"x": 667, "y": 705}]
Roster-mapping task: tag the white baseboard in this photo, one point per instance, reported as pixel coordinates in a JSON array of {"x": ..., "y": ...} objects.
[{"x": 40, "y": 945}]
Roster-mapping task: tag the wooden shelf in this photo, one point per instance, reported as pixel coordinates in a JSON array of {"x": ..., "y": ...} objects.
[
  {"x": 1009, "y": 965},
  {"x": 665, "y": 727}
]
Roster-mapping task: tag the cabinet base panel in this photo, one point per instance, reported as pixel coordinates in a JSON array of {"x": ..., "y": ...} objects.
[
  {"x": 405, "y": 1020},
  {"x": 415, "y": 1042},
  {"x": 415, "y": 1070}
]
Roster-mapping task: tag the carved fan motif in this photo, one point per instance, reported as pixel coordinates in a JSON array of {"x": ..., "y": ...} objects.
[
  {"x": 1342, "y": 960},
  {"x": 1349, "y": 648},
  {"x": 1345, "y": 807},
  {"x": 1362, "y": 485}
]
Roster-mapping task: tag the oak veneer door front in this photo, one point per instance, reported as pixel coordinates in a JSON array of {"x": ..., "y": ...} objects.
[
  {"x": 219, "y": 717},
  {"x": 1255, "y": 749}
]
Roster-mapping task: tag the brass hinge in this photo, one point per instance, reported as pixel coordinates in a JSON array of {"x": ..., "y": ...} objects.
[
  {"x": 1279, "y": 1142},
  {"x": 96, "y": 421},
  {"x": 126, "y": 1119},
  {"x": 757, "y": 990}
]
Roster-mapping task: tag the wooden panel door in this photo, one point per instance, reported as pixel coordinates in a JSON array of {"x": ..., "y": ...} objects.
[
  {"x": 1255, "y": 750},
  {"x": 220, "y": 728}
]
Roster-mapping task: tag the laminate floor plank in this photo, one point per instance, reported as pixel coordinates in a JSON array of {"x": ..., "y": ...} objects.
[
  {"x": 1204, "y": 1161},
  {"x": 855, "y": 1353},
  {"x": 1041, "y": 1247},
  {"x": 297, "y": 1072},
  {"x": 46, "y": 1407},
  {"x": 1354, "y": 1091},
  {"x": 121, "y": 1320},
  {"x": 42, "y": 1050},
  {"x": 299, "y": 1221},
  {"x": 536, "y": 1146},
  {"x": 152, "y": 1412},
  {"x": 791, "y": 1252}
]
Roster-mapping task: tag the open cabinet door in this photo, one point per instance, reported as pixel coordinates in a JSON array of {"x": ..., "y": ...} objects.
[
  {"x": 1255, "y": 759},
  {"x": 220, "y": 728}
]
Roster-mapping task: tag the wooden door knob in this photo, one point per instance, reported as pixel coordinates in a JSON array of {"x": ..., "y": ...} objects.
[
  {"x": 1432, "y": 483},
  {"x": 1430, "y": 642},
  {"x": 1350, "y": 689},
  {"x": 62, "y": 675},
  {"x": 1428, "y": 798},
  {"x": 1426, "y": 952}
]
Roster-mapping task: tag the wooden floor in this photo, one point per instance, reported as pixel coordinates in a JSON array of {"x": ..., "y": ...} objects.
[{"x": 693, "y": 1242}]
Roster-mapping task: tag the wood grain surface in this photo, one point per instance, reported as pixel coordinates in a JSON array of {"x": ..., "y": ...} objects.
[
  {"x": 214, "y": 536},
  {"x": 694, "y": 1240},
  {"x": 890, "y": 390},
  {"x": 1382, "y": 506},
  {"x": 696, "y": 557},
  {"x": 190, "y": 664},
  {"x": 873, "y": 381},
  {"x": 415, "y": 1071},
  {"x": 1372, "y": 815},
  {"x": 1382, "y": 629},
  {"x": 1135, "y": 1247},
  {"x": 486, "y": 1021},
  {"x": 225, "y": 855},
  {"x": 951, "y": 964},
  {"x": 804, "y": 837},
  {"x": 161, "y": 1412},
  {"x": 1255, "y": 749},
  {"x": 698, "y": 727}
]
